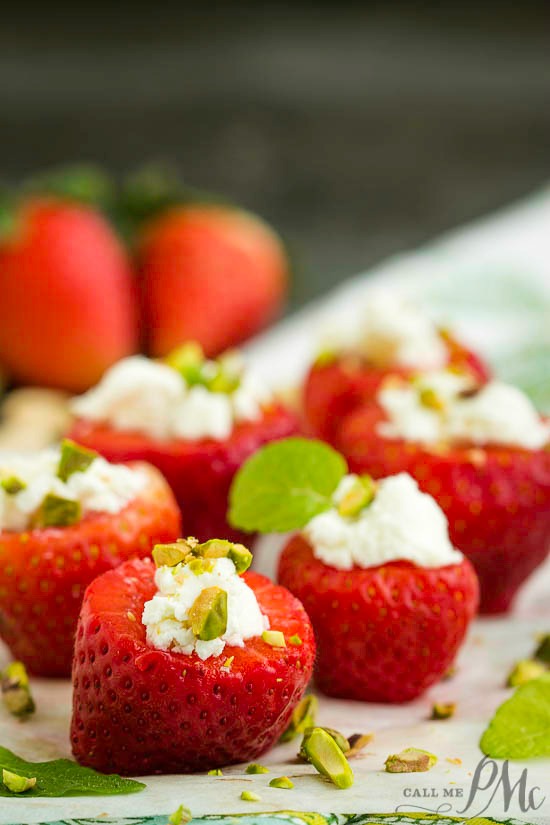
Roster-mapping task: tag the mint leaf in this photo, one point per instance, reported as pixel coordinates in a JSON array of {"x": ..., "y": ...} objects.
[
  {"x": 285, "y": 484},
  {"x": 520, "y": 728},
  {"x": 63, "y": 777}
]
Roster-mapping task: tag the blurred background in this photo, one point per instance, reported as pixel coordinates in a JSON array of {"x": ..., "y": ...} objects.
[{"x": 357, "y": 129}]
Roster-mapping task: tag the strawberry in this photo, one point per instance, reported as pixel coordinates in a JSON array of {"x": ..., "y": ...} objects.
[
  {"x": 337, "y": 386},
  {"x": 496, "y": 498},
  {"x": 68, "y": 306},
  {"x": 214, "y": 274},
  {"x": 386, "y": 633},
  {"x": 199, "y": 472},
  {"x": 140, "y": 710},
  {"x": 44, "y": 572}
]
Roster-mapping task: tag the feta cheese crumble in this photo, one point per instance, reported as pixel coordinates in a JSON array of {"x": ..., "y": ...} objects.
[
  {"x": 166, "y": 615},
  {"x": 102, "y": 487},
  {"x": 141, "y": 395},
  {"x": 443, "y": 406},
  {"x": 401, "y": 523}
]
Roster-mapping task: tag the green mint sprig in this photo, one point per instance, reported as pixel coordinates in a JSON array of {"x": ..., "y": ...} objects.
[
  {"x": 520, "y": 728},
  {"x": 63, "y": 777},
  {"x": 284, "y": 485}
]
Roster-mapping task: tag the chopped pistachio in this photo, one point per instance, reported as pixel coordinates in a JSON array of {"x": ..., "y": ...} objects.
[
  {"x": 295, "y": 640},
  {"x": 542, "y": 653},
  {"x": 327, "y": 757},
  {"x": 56, "y": 511},
  {"x": 215, "y": 772},
  {"x": 357, "y": 743},
  {"x": 170, "y": 554},
  {"x": 410, "y": 760},
  {"x": 219, "y": 548},
  {"x": 255, "y": 768},
  {"x": 16, "y": 783},
  {"x": 338, "y": 737},
  {"x": 325, "y": 357},
  {"x": 188, "y": 360},
  {"x": 524, "y": 671},
  {"x": 12, "y": 485},
  {"x": 208, "y": 614},
  {"x": 429, "y": 398},
  {"x": 443, "y": 710},
  {"x": 73, "y": 459},
  {"x": 228, "y": 663},
  {"x": 250, "y": 796},
  {"x": 274, "y": 638},
  {"x": 359, "y": 496},
  {"x": 16, "y": 692},
  {"x": 200, "y": 566},
  {"x": 303, "y": 717},
  {"x": 181, "y": 816},
  {"x": 224, "y": 380},
  {"x": 281, "y": 782}
]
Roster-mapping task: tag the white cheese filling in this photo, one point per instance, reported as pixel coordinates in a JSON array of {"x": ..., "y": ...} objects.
[
  {"x": 401, "y": 523},
  {"x": 102, "y": 487},
  {"x": 497, "y": 414},
  {"x": 166, "y": 615},
  {"x": 149, "y": 397}
]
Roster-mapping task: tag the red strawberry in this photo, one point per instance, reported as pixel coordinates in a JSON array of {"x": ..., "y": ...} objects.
[
  {"x": 140, "y": 710},
  {"x": 496, "y": 498},
  {"x": 199, "y": 472},
  {"x": 44, "y": 572},
  {"x": 213, "y": 274},
  {"x": 334, "y": 389},
  {"x": 384, "y": 634},
  {"x": 68, "y": 307}
]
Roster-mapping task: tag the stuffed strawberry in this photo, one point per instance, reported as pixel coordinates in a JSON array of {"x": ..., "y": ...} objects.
[
  {"x": 482, "y": 452},
  {"x": 209, "y": 273},
  {"x": 196, "y": 420},
  {"x": 66, "y": 516},
  {"x": 395, "y": 338},
  {"x": 190, "y": 666},
  {"x": 68, "y": 308},
  {"x": 389, "y": 597}
]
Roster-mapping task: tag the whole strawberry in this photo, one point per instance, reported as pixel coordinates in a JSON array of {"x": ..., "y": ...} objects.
[
  {"x": 209, "y": 273},
  {"x": 174, "y": 671},
  {"x": 480, "y": 453},
  {"x": 62, "y": 523},
  {"x": 68, "y": 308}
]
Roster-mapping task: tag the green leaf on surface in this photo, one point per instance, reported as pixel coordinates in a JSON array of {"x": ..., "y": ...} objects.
[
  {"x": 520, "y": 728},
  {"x": 284, "y": 485},
  {"x": 63, "y": 777}
]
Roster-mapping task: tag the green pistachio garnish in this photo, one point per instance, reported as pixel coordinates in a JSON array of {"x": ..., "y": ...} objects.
[
  {"x": 303, "y": 717},
  {"x": 411, "y": 760},
  {"x": 73, "y": 459},
  {"x": 359, "y": 496},
  {"x": 188, "y": 551},
  {"x": 16, "y": 783},
  {"x": 188, "y": 360},
  {"x": 56, "y": 511},
  {"x": 168, "y": 555},
  {"x": 542, "y": 653},
  {"x": 274, "y": 638},
  {"x": 524, "y": 671},
  {"x": 249, "y": 796},
  {"x": 357, "y": 743},
  {"x": 221, "y": 549},
  {"x": 325, "y": 755},
  {"x": 325, "y": 357},
  {"x": 443, "y": 710},
  {"x": 181, "y": 816},
  {"x": 429, "y": 398},
  {"x": 255, "y": 768},
  {"x": 295, "y": 640},
  {"x": 208, "y": 614},
  {"x": 12, "y": 485},
  {"x": 16, "y": 691},
  {"x": 338, "y": 737},
  {"x": 215, "y": 772},
  {"x": 281, "y": 782}
]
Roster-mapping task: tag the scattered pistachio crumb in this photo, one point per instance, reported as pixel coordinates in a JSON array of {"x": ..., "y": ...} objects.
[
  {"x": 228, "y": 663},
  {"x": 338, "y": 737},
  {"x": 13, "y": 485},
  {"x": 250, "y": 796},
  {"x": 524, "y": 671},
  {"x": 443, "y": 710},
  {"x": 16, "y": 783},
  {"x": 303, "y": 717},
  {"x": 274, "y": 638},
  {"x": 281, "y": 782},
  {"x": 181, "y": 816},
  {"x": 215, "y": 772},
  {"x": 410, "y": 760},
  {"x": 357, "y": 743},
  {"x": 454, "y": 760},
  {"x": 295, "y": 640},
  {"x": 327, "y": 757},
  {"x": 16, "y": 691},
  {"x": 255, "y": 768}
]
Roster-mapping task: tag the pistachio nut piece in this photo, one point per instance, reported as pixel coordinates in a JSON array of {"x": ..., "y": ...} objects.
[{"x": 208, "y": 614}]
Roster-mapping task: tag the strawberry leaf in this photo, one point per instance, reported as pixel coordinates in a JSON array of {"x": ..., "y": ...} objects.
[
  {"x": 63, "y": 777},
  {"x": 284, "y": 485},
  {"x": 520, "y": 728}
]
